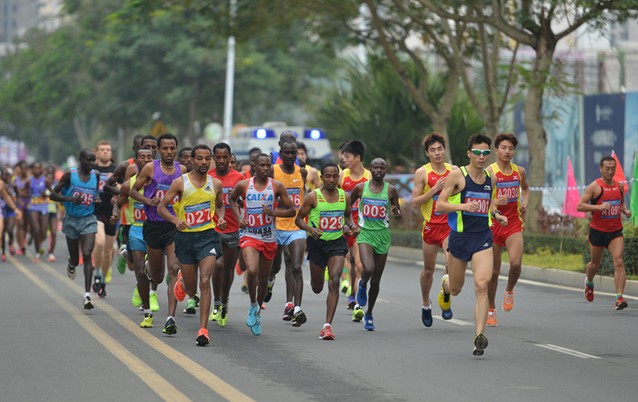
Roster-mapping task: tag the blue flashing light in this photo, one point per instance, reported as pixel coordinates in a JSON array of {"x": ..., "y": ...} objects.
[
  {"x": 263, "y": 133},
  {"x": 314, "y": 134}
]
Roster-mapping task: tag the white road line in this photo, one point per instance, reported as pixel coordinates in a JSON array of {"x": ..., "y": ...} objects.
[
  {"x": 454, "y": 321},
  {"x": 566, "y": 351}
]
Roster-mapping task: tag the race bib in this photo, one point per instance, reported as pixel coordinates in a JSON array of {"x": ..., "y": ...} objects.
[
  {"x": 374, "y": 209},
  {"x": 197, "y": 215},
  {"x": 331, "y": 221}
]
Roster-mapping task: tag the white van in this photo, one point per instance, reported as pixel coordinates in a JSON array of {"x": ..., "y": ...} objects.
[{"x": 266, "y": 138}]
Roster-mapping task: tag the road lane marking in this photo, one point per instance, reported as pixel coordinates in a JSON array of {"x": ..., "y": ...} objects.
[
  {"x": 454, "y": 321},
  {"x": 566, "y": 351},
  {"x": 210, "y": 380},
  {"x": 150, "y": 377}
]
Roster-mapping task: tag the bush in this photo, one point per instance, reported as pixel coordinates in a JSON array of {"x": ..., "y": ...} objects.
[
  {"x": 556, "y": 244},
  {"x": 406, "y": 238}
]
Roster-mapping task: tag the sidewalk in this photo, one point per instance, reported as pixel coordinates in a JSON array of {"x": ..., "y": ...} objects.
[{"x": 546, "y": 275}]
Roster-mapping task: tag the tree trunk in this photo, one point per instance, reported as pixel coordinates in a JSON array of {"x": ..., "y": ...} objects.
[
  {"x": 536, "y": 135},
  {"x": 80, "y": 132},
  {"x": 192, "y": 114}
]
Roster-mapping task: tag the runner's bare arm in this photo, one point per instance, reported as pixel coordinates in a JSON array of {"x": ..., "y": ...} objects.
[
  {"x": 176, "y": 189},
  {"x": 219, "y": 204},
  {"x": 309, "y": 203},
  {"x": 145, "y": 176},
  {"x": 233, "y": 197}
]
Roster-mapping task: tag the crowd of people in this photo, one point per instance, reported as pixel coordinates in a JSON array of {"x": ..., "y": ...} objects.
[{"x": 194, "y": 217}]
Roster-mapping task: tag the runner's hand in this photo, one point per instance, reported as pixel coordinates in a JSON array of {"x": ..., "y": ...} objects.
[
  {"x": 181, "y": 225},
  {"x": 605, "y": 205},
  {"x": 221, "y": 223},
  {"x": 316, "y": 233}
]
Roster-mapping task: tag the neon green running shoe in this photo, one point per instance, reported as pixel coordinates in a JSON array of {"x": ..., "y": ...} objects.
[
  {"x": 215, "y": 314},
  {"x": 345, "y": 287},
  {"x": 357, "y": 314},
  {"x": 154, "y": 304},
  {"x": 191, "y": 306},
  {"x": 326, "y": 274},
  {"x": 136, "y": 300},
  {"x": 121, "y": 265},
  {"x": 223, "y": 317},
  {"x": 147, "y": 322}
]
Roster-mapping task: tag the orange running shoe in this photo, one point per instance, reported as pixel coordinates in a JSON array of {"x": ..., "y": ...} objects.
[
  {"x": 491, "y": 318},
  {"x": 178, "y": 289},
  {"x": 326, "y": 334},
  {"x": 508, "y": 300},
  {"x": 620, "y": 303},
  {"x": 589, "y": 292},
  {"x": 202, "y": 337}
]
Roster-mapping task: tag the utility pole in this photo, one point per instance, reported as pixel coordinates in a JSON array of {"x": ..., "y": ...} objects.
[{"x": 230, "y": 75}]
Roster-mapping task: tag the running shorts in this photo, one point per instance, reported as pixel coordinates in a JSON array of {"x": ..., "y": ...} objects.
[
  {"x": 379, "y": 240},
  {"x": 109, "y": 229},
  {"x": 75, "y": 226},
  {"x": 230, "y": 240},
  {"x": 192, "y": 247},
  {"x": 602, "y": 239},
  {"x": 285, "y": 237},
  {"x": 320, "y": 251},
  {"x": 435, "y": 234},
  {"x": 500, "y": 233},
  {"x": 268, "y": 250},
  {"x": 463, "y": 245},
  {"x": 159, "y": 234},
  {"x": 351, "y": 240},
  {"x": 136, "y": 239}
]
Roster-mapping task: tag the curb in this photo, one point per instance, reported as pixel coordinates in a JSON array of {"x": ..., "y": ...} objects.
[{"x": 546, "y": 275}]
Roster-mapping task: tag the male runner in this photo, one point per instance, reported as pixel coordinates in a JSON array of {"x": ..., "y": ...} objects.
[
  {"x": 6, "y": 204},
  {"x": 159, "y": 234},
  {"x": 21, "y": 188},
  {"x": 106, "y": 222},
  {"x": 196, "y": 243},
  {"x": 10, "y": 215},
  {"x": 78, "y": 190},
  {"x": 223, "y": 274},
  {"x": 605, "y": 199},
  {"x": 377, "y": 199},
  {"x": 52, "y": 215},
  {"x": 329, "y": 217},
  {"x": 466, "y": 198},
  {"x": 353, "y": 174},
  {"x": 511, "y": 195},
  {"x": 289, "y": 237},
  {"x": 184, "y": 157},
  {"x": 428, "y": 183},
  {"x": 258, "y": 239},
  {"x": 38, "y": 209}
]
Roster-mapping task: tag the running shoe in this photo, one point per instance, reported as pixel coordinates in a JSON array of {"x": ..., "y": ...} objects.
[
  {"x": 102, "y": 291},
  {"x": 202, "y": 337},
  {"x": 326, "y": 274},
  {"x": 244, "y": 288},
  {"x": 147, "y": 322},
  {"x": 263, "y": 306},
  {"x": 480, "y": 343},
  {"x": 170, "y": 328},
  {"x": 362, "y": 293},
  {"x": 20, "y": 251},
  {"x": 298, "y": 319},
  {"x": 97, "y": 282},
  {"x": 345, "y": 286},
  {"x": 491, "y": 318},
  {"x": 152, "y": 301},
  {"x": 70, "y": 271},
  {"x": 326, "y": 334},
  {"x": 269, "y": 291},
  {"x": 107, "y": 277},
  {"x": 589, "y": 292},
  {"x": 51, "y": 258},
  {"x": 289, "y": 309},
  {"x": 178, "y": 289},
  {"x": 214, "y": 315},
  {"x": 136, "y": 300},
  {"x": 196, "y": 298},
  {"x": 4, "y": 257},
  {"x": 426, "y": 316},
  {"x": 238, "y": 269},
  {"x": 121, "y": 265},
  {"x": 508, "y": 300},
  {"x": 223, "y": 317},
  {"x": 256, "y": 329},
  {"x": 357, "y": 314},
  {"x": 191, "y": 306},
  {"x": 621, "y": 303},
  {"x": 368, "y": 323},
  {"x": 351, "y": 302},
  {"x": 37, "y": 257},
  {"x": 12, "y": 250},
  {"x": 445, "y": 300},
  {"x": 87, "y": 303},
  {"x": 252, "y": 315}
]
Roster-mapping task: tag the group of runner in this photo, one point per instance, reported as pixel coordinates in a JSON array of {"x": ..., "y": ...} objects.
[{"x": 191, "y": 216}]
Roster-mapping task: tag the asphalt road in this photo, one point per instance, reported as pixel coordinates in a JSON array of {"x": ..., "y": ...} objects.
[{"x": 553, "y": 346}]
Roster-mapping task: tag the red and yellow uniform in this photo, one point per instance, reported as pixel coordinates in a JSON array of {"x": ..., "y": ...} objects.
[
  {"x": 508, "y": 185},
  {"x": 348, "y": 184},
  {"x": 435, "y": 226},
  {"x": 608, "y": 220},
  {"x": 229, "y": 181}
]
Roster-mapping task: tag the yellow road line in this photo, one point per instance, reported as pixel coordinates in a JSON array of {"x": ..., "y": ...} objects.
[
  {"x": 150, "y": 377},
  {"x": 210, "y": 380}
]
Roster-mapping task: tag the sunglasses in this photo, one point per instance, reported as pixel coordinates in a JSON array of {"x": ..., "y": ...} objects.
[{"x": 483, "y": 152}]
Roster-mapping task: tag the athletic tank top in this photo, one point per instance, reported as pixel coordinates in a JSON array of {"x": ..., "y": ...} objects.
[
  {"x": 295, "y": 188},
  {"x": 229, "y": 181},
  {"x": 509, "y": 185},
  {"x": 197, "y": 205},
  {"x": 158, "y": 187},
  {"x": 328, "y": 216},
  {"x": 428, "y": 209},
  {"x": 374, "y": 208},
  {"x": 608, "y": 220},
  {"x": 105, "y": 207},
  {"x": 86, "y": 190},
  {"x": 139, "y": 212},
  {"x": 472, "y": 222},
  {"x": 349, "y": 184},
  {"x": 259, "y": 225},
  {"x": 39, "y": 200}
]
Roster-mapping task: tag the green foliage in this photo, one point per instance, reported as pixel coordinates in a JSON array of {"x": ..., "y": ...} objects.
[{"x": 371, "y": 103}]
